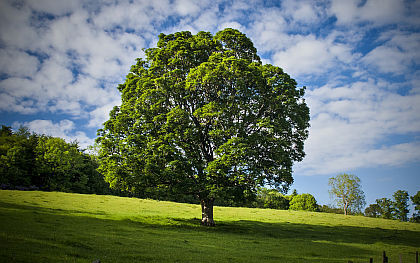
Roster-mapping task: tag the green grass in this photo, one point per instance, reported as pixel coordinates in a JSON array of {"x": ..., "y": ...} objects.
[{"x": 61, "y": 227}]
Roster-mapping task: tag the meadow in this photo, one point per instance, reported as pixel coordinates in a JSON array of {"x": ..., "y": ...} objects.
[{"x": 61, "y": 227}]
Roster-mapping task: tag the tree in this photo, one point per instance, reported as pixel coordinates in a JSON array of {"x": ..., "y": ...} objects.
[
  {"x": 271, "y": 198},
  {"x": 348, "y": 192},
  {"x": 373, "y": 210},
  {"x": 416, "y": 201},
  {"x": 401, "y": 198},
  {"x": 17, "y": 156},
  {"x": 303, "y": 202},
  {"x": 202, "y": 115},
  {"x": 59, "y": 164},
  {"x": 385, "y": 207}
]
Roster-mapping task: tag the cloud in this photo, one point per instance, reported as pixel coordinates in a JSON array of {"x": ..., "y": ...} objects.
[
  {"x": 54, "y": 7},
  {"x": 399, "y": 52},
  {"x": 16, "y": 63},
  {"x": 187, "y": 7},
  {"x": 349, "y": 125},
  {"x": 315, "y": 56},
  {"x": 378, "y": 12},
  {"x": 70, "y": 64},
  {"x": 302, "y": 12}
]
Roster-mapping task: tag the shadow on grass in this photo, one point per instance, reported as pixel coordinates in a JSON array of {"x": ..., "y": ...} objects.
[{"x": 57, "y": 234}]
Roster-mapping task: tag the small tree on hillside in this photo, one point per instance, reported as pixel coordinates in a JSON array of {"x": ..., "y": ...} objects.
[
  {"x": 202, "y": 115},
  {"x": 347, "y": 192}
]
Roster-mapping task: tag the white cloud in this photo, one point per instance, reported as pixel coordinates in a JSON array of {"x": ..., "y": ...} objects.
[
  {"x": 301, "y": 11},
  {"x": 310, "y": 55},
  {"x": 378, "y": 12},
  {"x": 74, "y": 61},
  {"x": 397, "y": 54},
  {"x": 187, "y": 7},
  {"x": 17, "y": 63},
  {"x": 349, "y": 124},
  {"x": 54, "y": 7}
]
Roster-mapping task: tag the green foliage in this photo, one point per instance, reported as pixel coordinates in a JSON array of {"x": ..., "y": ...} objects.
[
  {"x": 373, "y": 210},
  {"x": 385, "y": 207},
  {"x": 61, "y": 227},
  {"x": 271, "y": 198},
  {"x": 17, "y": 155},
  {"x": 392, "y": 209},
  {"x": 347, "y": 191},
  {"x": 201, "y": 115},
  {"x": 330, "y": 209},
  {"x": 401, "y": 198},
  {"x": 416, "y": 201},
  {"x": 305, "y": 202},
  {"x": 30, "y": 161}
]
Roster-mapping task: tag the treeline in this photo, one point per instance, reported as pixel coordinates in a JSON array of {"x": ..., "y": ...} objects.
[
  {"x": 30, "y": 161},
  {"x": 395, "y": 208}
]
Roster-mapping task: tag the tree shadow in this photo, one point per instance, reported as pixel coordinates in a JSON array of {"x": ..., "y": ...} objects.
[
  {"x": 336, "y": 234},
  {"x": 313, "y": 243}
]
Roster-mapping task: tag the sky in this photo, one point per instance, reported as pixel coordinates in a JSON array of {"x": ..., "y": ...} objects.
[{"x": 61, "y": 62}]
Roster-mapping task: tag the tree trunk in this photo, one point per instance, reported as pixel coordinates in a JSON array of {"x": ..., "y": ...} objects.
[
  {"x": 207, "y": 212},
  {"x": 345, "y": 206}
]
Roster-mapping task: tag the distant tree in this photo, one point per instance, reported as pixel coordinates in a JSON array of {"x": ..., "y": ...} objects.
[
  {"x": 401, "y": 198},
  {"x": 385, "y": 207},
  {"x": 202, "y": 115},
  {"x": 347, "y": 191},
  {"x": 271, "y": 198},
  {"x": 373, "y": 210},
  {"x": 305, "y": 202},
  {"x": 416, "y": 201}
]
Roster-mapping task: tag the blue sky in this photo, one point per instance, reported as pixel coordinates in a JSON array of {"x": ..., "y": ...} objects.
[{"x": 61, "y": 61}]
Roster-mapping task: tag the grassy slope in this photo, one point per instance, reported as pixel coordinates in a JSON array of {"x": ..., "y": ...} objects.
[{"x": 60, "y": 227}]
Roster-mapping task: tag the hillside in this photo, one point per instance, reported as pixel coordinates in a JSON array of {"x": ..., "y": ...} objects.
[{"x": 62, "y": 227}]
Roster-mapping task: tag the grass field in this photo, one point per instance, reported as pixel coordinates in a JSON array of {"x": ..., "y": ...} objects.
[{"x": 61, "y": 227}]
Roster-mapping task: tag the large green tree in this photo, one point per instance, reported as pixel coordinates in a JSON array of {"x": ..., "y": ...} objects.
[
  {"x": 348, "y": 193},
  {"x": 202, "y": 115}
]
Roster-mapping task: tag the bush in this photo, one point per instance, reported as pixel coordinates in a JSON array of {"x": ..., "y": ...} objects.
[{"x": 305, "y": 202}]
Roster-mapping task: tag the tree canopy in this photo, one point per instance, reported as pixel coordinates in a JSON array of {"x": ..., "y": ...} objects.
[
  {"x": 401, "y": 199},
  {"x": 304, "y": 202},
  {"x": 416, "y": 202},
  {"x": 32, "y": 161},
  {"x": 202, "y": 115}
]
